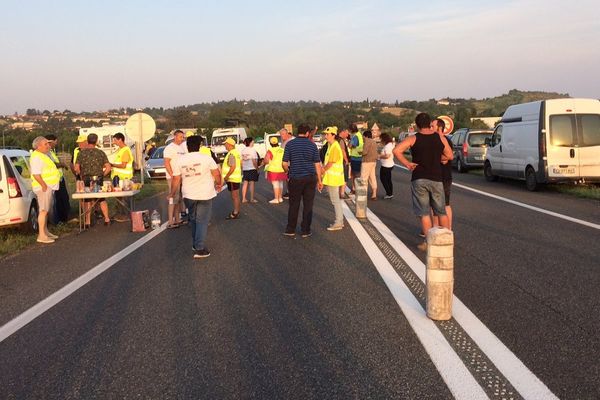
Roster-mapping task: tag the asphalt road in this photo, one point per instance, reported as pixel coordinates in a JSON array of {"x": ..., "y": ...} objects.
[{"x": 266, "y": 316}]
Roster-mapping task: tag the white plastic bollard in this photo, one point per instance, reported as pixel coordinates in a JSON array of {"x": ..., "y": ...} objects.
[
  {"x": 360, "y": 201},
  {"x": 440, "y": 273}
]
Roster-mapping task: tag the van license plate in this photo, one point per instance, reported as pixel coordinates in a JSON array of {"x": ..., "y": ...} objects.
[{"x": 564, "y": 171}]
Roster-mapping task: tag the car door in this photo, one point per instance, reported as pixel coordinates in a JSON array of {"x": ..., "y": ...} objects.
[
  {"x": 457, "y": 142},
  {"x": 4, "y": 198},
  {"x": 494, "y": 152}
]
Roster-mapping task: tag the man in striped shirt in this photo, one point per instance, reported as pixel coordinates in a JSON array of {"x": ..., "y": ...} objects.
[{"x": 301, "y": 161}]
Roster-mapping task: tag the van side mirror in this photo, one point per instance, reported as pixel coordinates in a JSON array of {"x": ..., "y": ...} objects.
[{"x": 488, "y": 141}]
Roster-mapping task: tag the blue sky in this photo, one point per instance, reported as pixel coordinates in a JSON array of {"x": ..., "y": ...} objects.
[{"x": 92, "y": 56}]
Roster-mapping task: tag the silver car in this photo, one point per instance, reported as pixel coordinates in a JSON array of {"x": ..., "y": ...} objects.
[
  {"x": 18, "y": 204},
  {"x": 469, "y": 148},
  {"x": 155, "y": 165}
]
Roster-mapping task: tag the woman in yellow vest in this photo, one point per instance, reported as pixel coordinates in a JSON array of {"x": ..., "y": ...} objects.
[
  {"x": 274, "y": 167},
  {"x": 45, "y": 179},
  {"x": 232, "y": 175},
  {"x": 333, "y": 176}
]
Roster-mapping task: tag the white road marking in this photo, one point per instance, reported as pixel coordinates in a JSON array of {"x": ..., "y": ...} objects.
[
  {"x": 524, "y": 205},
  {"x": 453, "y": 371},
  {"x": 523, "y": 380},
  {"x": 32, "y": 313}
]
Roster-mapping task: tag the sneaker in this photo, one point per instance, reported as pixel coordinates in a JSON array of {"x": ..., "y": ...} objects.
[
  {"x": 391, "y": 196},
  {"x": 274, "y": 201},
  {"x": 286, "y": 233},
  {"x": 45, "y": 240},
  {"x": 306, "y": 234},
  {"x": 286, "y": 196},
  {"x": 334, "y": 227},
  {"x": 202, "y": 253}
]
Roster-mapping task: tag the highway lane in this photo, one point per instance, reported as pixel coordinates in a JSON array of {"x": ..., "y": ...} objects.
[
  {"x": 531, "y": 278},
  {"x": 264, "y": 317}
]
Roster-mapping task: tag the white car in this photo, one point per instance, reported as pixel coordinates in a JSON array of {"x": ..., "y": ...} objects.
[{"x": 18, "y": 204}]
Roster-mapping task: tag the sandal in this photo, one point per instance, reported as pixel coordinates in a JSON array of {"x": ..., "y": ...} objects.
[
  {"x": 233, "y": 215},
  {"x": 173, "y": 226}
]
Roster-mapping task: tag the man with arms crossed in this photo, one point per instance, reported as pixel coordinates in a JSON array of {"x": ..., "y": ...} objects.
[
  {"x": 200, "y": 181},
  {"x": 428, "y": 150}
]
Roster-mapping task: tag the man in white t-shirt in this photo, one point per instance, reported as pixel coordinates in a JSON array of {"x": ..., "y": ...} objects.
[
  {"x": 200, "y": 181},
  {"x": 173, "y": 151}
]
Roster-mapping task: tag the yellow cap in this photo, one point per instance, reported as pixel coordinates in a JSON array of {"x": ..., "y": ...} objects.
[
  {"x": 331, "y": 129},
  {"x": 230, "y": 141},
  {"x": 189, "y": 133},
  {"x": 274, "y": 140},
  {"x": 81, "y": 138}
]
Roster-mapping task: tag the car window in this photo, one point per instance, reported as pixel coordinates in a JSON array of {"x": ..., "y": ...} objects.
[
  {"x": 562, "y": 130},
  {"x": 21, "y": 164},
  {"x": 589, "y": 127},
  {"x": 478, "y": 139},
  {"x": 158, "y": 153},
  {"x": 496, "y": 136}
]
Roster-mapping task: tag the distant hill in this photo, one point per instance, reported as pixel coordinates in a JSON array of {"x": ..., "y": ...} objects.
[{"x": 496, "y": 106}]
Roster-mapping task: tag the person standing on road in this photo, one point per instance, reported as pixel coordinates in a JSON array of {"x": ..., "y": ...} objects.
[
  {"x": 301, "y": 161},
  {"x": 333, "y": 176},
  {"x": 274, "y": 167},
  {"x": 343, "y": 140},
  {"x": 232, "y": 175},
  {"x": 369, "y": 163},
  {"x": 356, "y": 149},
  {"x": 200, "y": 181},
  {"x": 438, "y": 125},
  {"x": 175, "y": 149},
  {"x": 45, "y": 179},
  {"x": 249, "y": 169},
  {"x": 92, "y": 163},
  {"x": 387, "y": 165},
  {"x": 428, "y": 150},
  {"x": 62, "y": 205},
  {"x": 286, "y": 136}
]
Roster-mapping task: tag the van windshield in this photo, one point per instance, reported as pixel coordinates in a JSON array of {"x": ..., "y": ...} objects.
[
  {"x": 478, "y": 139},
  {"x": 217, "y": 141},
  {"x": 581, "y": 130}
]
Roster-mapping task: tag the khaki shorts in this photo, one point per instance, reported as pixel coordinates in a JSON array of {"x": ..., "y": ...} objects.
[{"x": 44, "y": 199}]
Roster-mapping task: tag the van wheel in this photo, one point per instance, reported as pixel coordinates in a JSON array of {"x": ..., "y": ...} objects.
[
  {"x": 460, "y": 167},
  {"x": 488, "y": 173},
  {"x": 531, "y": 180},
  {"x": 31, "y": 226}
]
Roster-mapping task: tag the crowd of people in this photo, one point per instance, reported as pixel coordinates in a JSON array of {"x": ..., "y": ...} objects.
[{"x": 297, "y": 163}]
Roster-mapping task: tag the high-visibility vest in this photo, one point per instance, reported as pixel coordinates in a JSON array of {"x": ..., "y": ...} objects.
[
  {"x": 204, "y": 150},
  {"x": 357, "y": 151},
  {"x": 236, "y": 176},
  {"x": 75, "y": 154},
  {"x": 50, "y": 173},
  {"x": 123, "y": 173},
  {"x": 334, "y": 176},
  {"x": 276, "y": 163},
  {"x": 55, "y": 159}
]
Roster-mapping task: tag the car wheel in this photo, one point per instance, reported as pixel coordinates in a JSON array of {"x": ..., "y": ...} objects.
[
  {"x": 31, "y": 226},
  {"x": 531, "y": 180},
  {"x": 488, "y": 173},
  {"x": 460, "y": 167}
]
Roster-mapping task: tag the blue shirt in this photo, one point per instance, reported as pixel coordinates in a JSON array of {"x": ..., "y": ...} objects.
[{"x": 301, "y": 154}]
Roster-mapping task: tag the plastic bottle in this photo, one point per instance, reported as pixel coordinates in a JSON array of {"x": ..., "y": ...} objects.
[{"x": 155, "y": 219}]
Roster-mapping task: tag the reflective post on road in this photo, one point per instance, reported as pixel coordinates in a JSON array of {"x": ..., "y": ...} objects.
[
  {"x": 360, "y": 188},
  {"x": 440, "y": 273}
]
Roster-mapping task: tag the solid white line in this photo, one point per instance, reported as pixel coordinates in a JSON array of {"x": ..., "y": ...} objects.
[
  {"x": 32, "y": 313},
  {"x": 524, "y": 205},
  {"x": 523, "y": 380},
  {"x": 453, "y": 371}
]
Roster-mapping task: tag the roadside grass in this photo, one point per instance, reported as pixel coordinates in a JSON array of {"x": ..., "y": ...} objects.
[{"x": 13, "y": 240}]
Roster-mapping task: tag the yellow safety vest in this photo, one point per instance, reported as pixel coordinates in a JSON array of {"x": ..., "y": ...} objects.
[
  {"x": 123, "y": 173},
  {"x": 236, "y": 176},
  {"x": 205, "y": 150},
  {"x": 357, "y": 151},
  {"x": 54, "y": 158},
  {"x": 50, "y": 173},
  {"x": 75, "y": 154},
  {"x": 334, "y": 176},
  {"x": 276, "y": 163}
]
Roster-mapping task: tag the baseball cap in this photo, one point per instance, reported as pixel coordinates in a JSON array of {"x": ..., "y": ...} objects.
[
  {"x": 230, "y": 141},
  {"x": 331, "y": 129},
  {"x": 81, "y": 138},
  {"x": 273, "y": 140}
]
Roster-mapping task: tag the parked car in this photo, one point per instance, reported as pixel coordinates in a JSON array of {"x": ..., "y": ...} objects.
[
  {"x": 155, "y": 165},
  {"x": 18, "y": 204},
  {"x": 469, "y": 147}
]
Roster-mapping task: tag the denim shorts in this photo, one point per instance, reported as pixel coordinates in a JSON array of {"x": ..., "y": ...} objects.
[
  {"x": 355, "y": 166},
  {"x": 427, "y": 194}
]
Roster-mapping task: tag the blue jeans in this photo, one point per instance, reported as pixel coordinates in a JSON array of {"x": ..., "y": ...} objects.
[{"x": 199, "y": 215}]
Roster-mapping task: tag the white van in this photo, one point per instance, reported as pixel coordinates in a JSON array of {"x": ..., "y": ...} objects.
[
  {"x": 547, "y": 141},
  {"x": 220, "y": 135}
]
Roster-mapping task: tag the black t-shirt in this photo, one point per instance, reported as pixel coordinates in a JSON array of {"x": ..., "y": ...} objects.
[
  {"x": 427, "y": 154},
  {"x": 447, "y": 168}
]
